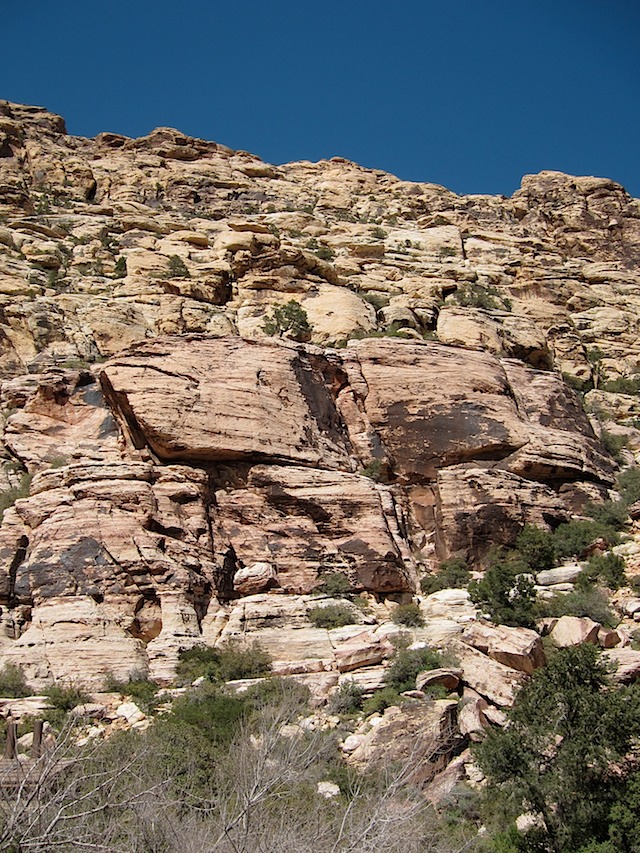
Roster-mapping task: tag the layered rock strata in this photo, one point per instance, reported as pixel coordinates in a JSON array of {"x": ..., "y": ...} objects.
[
  {"x": 198, "y": 470},
  {"x": 193, "y": 480}
]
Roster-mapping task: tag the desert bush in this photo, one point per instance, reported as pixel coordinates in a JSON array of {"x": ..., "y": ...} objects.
[
  {"x": 622, "y": 385},
  {"x": 375, "y": 470},
  {"x": 378, "y": 300},
  {"x": 380, "y": 700},
  {"x": 629, "y": 484},
  {"x": 378, "y": 233},
  {"x": 614, "y": 443},
  {"x": 227, "y": 662},
  {"x": 583, "y": 601},
  {"x": 568, "y": 729},
  {"x": 178, "y": 268},
  {"x": 573, "y": 538},
  {"x": 120, "y": 268},
  {"x": 452, "y": 574},
  {"x": 141, "y": 690},
  {"x": 325, "y": 253},
  {"x": 331, "y": 616},
  {"x": 13, "y": 684},
  {"x": 219, "y": 774},
  {"x": 283, "y": 693},
  {"x": 11, "y": 495},
  {"x": 408, "y": 614},
  {"x": 347, "y": 699},
  {"x": 610, "y": 513},
  {"x": 607, "y": 568},
  {"x": 536, "y": 547},
  {"x": 212, "y": 713},
  {"x": 506, "y": 591},
  {"x": 407, "y": 663},
  {"x": 334, "y": 584},
  {"x": 290, "y": 319},
  {"x": 477, "y": 296},
  {"x": 63, "y": 699}
]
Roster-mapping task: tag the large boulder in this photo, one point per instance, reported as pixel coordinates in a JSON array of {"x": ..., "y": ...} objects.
[
  {"x": 518, "y": 648},
  {"x": 219, "y": 400},
  {"x": 574, "y": 631}
]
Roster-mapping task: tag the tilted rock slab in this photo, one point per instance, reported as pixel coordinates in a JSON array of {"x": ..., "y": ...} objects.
[
  {"x": 518, "y": 648},
  {"x": 221, "y": 400}
]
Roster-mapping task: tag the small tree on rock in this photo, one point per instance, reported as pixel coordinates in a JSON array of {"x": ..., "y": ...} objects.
[{"x": 288, "y": 320}]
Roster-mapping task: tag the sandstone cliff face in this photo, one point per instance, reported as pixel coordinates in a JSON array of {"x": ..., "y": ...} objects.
[{"x": 182, "y": 460}]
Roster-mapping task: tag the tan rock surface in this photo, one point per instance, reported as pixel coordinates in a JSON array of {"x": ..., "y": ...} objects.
[
  {"x": 626, "y": 662},
  {"x": 518, "y": 648},
  {"x": 489, "y": 678},
  {"x": 574, "y": 630},
  {"x": 173, "y": 246},
  {"x": 176, "y": 396},
  {"x": 420, "y": 735},
  {"x": 308, "y": 522}
]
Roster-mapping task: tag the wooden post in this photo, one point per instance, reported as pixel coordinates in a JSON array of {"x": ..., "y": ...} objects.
[
  {"x": 36, "y": 746},
  {"x": 12, "y": 736}
]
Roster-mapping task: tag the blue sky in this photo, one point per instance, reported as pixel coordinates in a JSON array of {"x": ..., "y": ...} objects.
[{"x": 471, "y": 94}]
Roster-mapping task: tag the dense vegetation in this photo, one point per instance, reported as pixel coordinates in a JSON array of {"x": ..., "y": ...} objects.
[
  {"x": 219, "y": 772},
  {"x": 568, "y": 757}
]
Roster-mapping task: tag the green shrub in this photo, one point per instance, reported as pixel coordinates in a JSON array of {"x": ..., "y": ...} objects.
[
  {"x": 629, "y": 484},
  {"x": 178, "y": 268},
  {"x": 375, "y": 470},
  {"x": 573, "y": 538},
  {"x": 13, "y": 684},
  {"x": 347, "y": 699},
  {"x": 66, "y": 698},
  {"x": 380, "y": 700},
  {"x": 568, "y": 730},
  {"x": 378, "y": 300},
  {"x": 611, "y": 513},
  {"x": 63, "y": 700},
  {"x": 120, "y": 268},
  {"x": 583, "y": 601},
  {"x": 378, "y": 233},
  {"x": 138, "y": 687},
  {"x": 614, "y": 444},
  {"x": 334, "y": 584},
  {"x": 536, "y": 547},
  {"x": 607, "y": 568},
  {"x": 22, "y": 490},
  {"x": 273, "y": 691},
  {"x": 212, "y": 713},
  {"x": 331, "y": 616},
  {"x": 290, "y": 318},
  {"x": 409, "y": 615},
  {"x": 506, "y": 592},
  {"x": 228, "y": 662},
  {"x": 325, "y": 253},
  {"x": 407, "y": 663},
  {"x": 622, "y": 385},
  {"x": 478, "y": 296},
  {"x": 452, "y": 574}
]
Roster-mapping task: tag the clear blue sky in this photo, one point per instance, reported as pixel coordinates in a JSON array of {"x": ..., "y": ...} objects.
[{"x": 471, "y": 94}]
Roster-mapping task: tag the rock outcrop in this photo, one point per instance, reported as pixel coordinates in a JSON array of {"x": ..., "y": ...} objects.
[{"x": 193, "y": 480}]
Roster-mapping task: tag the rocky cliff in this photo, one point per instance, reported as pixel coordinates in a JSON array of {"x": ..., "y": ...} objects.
[{"x": 179, "y": 476}]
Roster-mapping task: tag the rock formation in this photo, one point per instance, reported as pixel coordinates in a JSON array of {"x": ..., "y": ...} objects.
[{"x": 193, "y": 479}]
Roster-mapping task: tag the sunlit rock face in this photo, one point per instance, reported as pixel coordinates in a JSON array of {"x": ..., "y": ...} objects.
[{"x": 183, "y": 463}]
